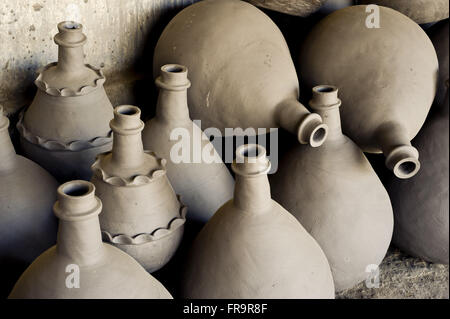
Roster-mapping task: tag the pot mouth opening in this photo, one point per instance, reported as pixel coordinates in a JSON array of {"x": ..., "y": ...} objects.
[
  {"x": 127, "y": 110},
  {"x": 71, "y": 25},
  {"x": 252, "y": 150},
  {"x": 76, "y": 189},
  {"x": 324, "y": 89},
  {"x": 318, "y": 136},
  {"x": 406, "y": 168},
  {"x": 173, "y": 68}
]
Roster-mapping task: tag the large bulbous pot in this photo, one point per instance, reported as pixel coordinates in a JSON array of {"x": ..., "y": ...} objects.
[
  {"x": 301, "y": 8},
  {"x": 80, "y": 265},
  {"x": 252, "y": 247},
  {"x": 194, "y": 168},
  {"x": 337, "y": 196},
  {"x": 66, "y": 125},
  {"x": 241, "y": 70},
  {"x": 142, "y": 214},
  {"x": 27, "y": 225},
  {"x": 385, "y": 102},
  {"x": 421, "y": 11}
]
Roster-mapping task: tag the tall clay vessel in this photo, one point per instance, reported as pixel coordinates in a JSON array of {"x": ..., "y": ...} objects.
[
  {"x": 66, "y": 125},
  {"x": 241, "y": 69},
  {"x": 421, "y": 11},
  {"x": 142, "y": 214},
  {"x": 336, "y": 195},
  {"x": 27, "y": 225},
  {"x": 421, "y": 206},
  {"x": 194, "y": 168},
  {"x": 80, "y": 265},
  {"x": 252, "y": 247},
  {"x": 384, "y": 103}
]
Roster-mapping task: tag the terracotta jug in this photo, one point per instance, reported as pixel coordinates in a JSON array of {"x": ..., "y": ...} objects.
[
  {"x": 387, "y": 78},
  {"x": 80, "y": 265},
  {"x": 241, "y": 69},
  {"x": 66, "y": 125},
  {"x": 203, "y": 182},
  {"x": 142, "y": 214},
  {"x": 421, "y": 11},
  {"x": 336, "y": 195},
  {"x": 27, "y": 225},
  {"x": 301, "y": 8},
  {"x": 421, "y": 206},
  {"x": 252, "y": 247}
]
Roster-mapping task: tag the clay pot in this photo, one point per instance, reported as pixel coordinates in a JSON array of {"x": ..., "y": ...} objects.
[
  {"x": 142, "y": 214},
  {"x": 201, "y": 178},
  {"x": 302, "y": 8},
  {"x": 385, "y": 103},
  {"x": 66, "y": 125},
  {"x": 421, "y": 11},
  {"x": 336, "y": 195},
  {"x": 439, "y": 37},
  {"x": 27, "y": 225},
  {"x": 421, "y": 206},
  {"x": 241, "y": 70},
  {"x": 252, "y": 247},
  {"x": 80, "y": 265}
]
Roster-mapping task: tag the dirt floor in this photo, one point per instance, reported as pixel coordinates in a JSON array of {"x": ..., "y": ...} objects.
[{"x": 404, "y": 277}]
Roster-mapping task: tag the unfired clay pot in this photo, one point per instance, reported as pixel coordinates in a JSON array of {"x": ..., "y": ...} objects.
[
  {"x": 421, "y": 11},
  {"x": 203, "y": 182},
  {"x": 80, "y": 265},
  {"x": 241, "y": 69},
  {"x": 336, "y": 195},
  {"x": 142, "y": 214},
  {"x": 302, "y": 8},
  {"x": 252, "y": 247},
  {"x": 440, "y": 39},
  {"x": 421, "y": 206},
  {"x": 66, "y": 125},
  {"x": 27, "y": 225},
  {"x": 387, "y": 79}
]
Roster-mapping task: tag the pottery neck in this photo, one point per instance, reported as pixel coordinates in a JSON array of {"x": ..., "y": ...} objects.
[
  {"x": 307, "y": 127},
  {"x": 401, "y": 157},
  {"x": 7, "y": 152},
  {"x": 172, "y": 104},
  {"x": 252, "y": 188},
  {"x": 127, "y": 149},
  {"x": 79, "y": 235},
  {"x": 326, "y": 103},
  {"x": 70, "y": 41}
]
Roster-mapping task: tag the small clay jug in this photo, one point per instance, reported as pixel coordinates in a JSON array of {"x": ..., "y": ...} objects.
[
  {"x": 336, "y": 195},
  {"x": 142, "y": 214},
  {"x": 66, "y": 125},
  {"x": 421, "y": 206},
  {"x": 241, "y": 70},
  {"x": 301, "y": 8},
  {"x": 252, "y": 247},
  {"x": 421, "y": 11},
  {"x": 384, "y": 103},
  {"x": 80, "y": 265},
  {"x": 27, "y": 225},
  {"x": 198, "y": 175}
]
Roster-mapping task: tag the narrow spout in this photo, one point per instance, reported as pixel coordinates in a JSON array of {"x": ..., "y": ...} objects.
[
  {"x": 308, "y": 127},
  {"x": 70, "y": 41}
]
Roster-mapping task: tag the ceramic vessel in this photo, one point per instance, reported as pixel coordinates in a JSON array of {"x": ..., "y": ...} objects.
[
  {"x": 142, "y": 214},
  {"x": 336, "y": 195},
  {"x": 440, "y": 38},
  {"x": 194, "y": 168},
  {"x": 421, "y": 11},
  {"x": 421, "y": 206},
  {"x": 66, "y": 125},
  {"x": 27, "y": 225},
  {"x": 302, "y": 8},
  {"x": 385, "y": 103},
  {"x": 241, "y": 70},
  {"x": 80, "y": 265},
  {"x": 252, "y": 247}
]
